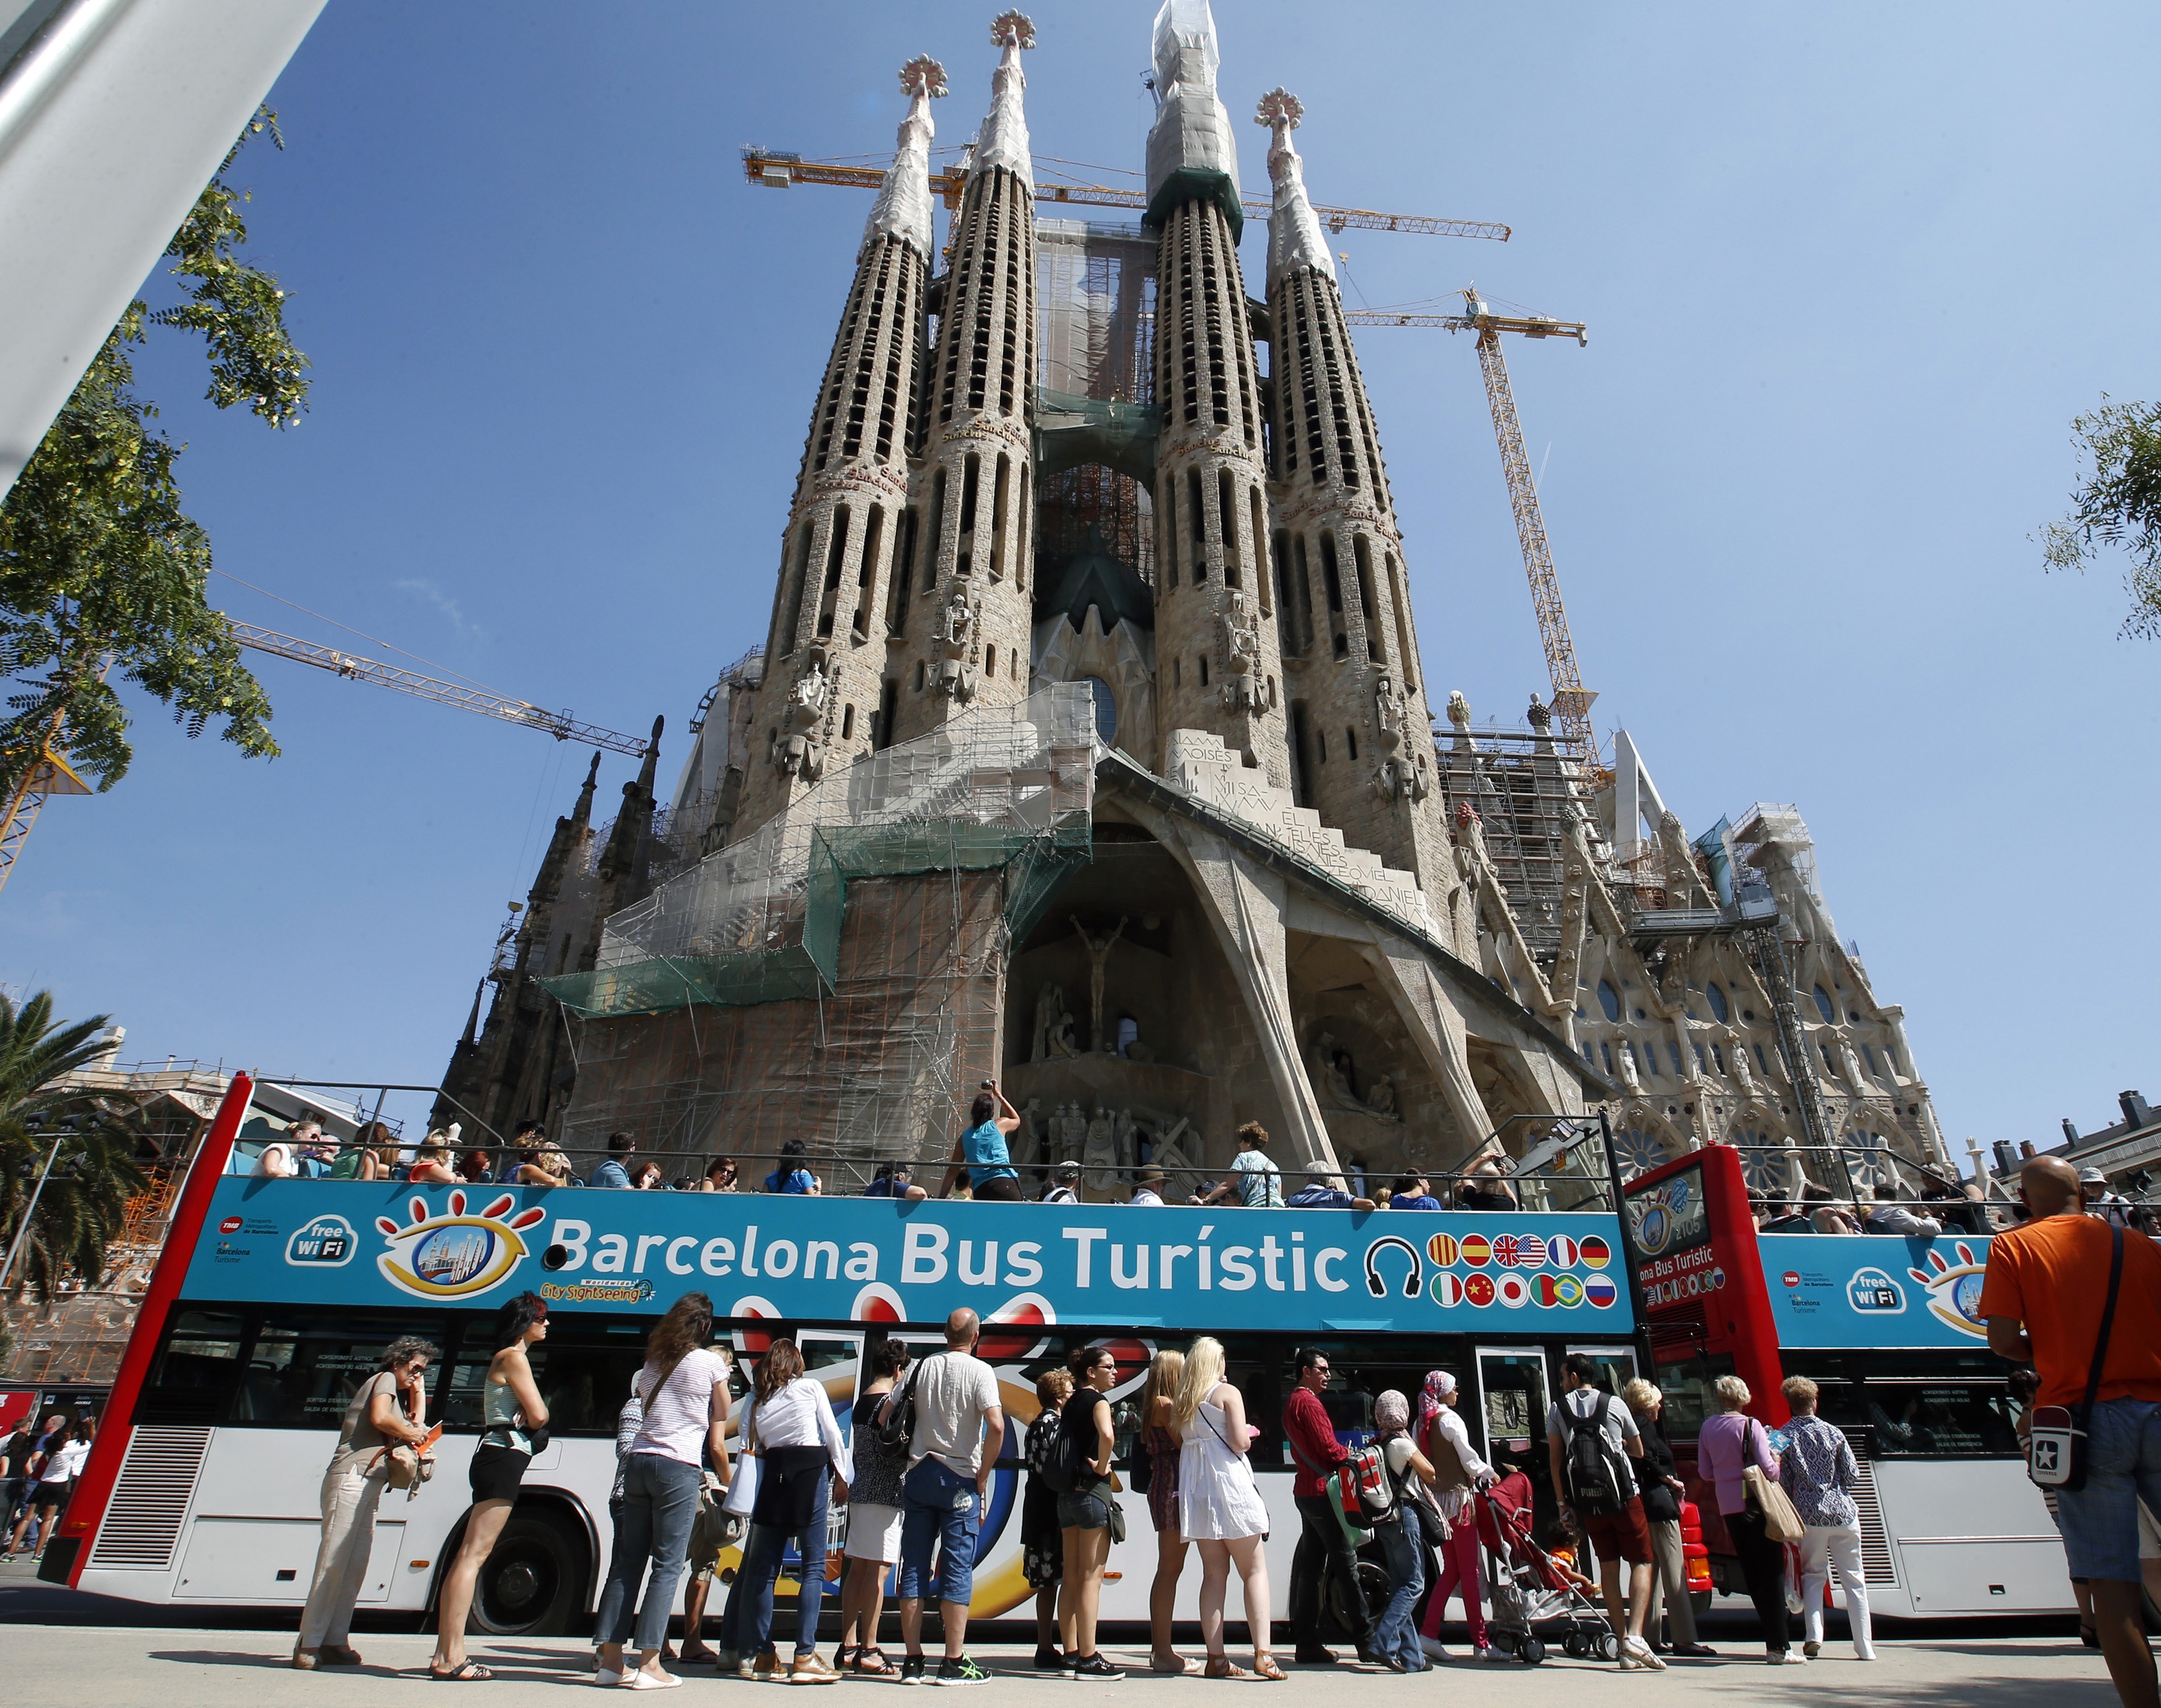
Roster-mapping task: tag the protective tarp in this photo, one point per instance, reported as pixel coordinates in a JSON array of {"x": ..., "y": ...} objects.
[
  {"x": 1095, "y": 305},
  {"x": 903, "y": 208},
  {"x": 1004, "y": 139},
  {"x": 1191, "y": 151},
  {"x": 1295, "y": 239}
]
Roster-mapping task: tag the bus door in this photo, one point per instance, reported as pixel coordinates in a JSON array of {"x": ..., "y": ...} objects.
[
  {"x": 1513, "y": 1399},
  {"x": 1616, "y": 1365}
]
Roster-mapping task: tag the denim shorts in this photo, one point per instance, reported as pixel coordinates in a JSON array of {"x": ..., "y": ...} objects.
[
  {"x": 1084, "y": 1510},
  {"x": 2124, "y": 1466},
  {"x": 939, "y": 1509}
]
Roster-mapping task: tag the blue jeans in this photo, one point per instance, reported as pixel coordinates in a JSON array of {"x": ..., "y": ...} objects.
[
  {"x": 2124, "y": 1466},
  {"x": 660, "y": 1502},
  {"x": 761, "y": 1570},
  {"x": 938, "y": 1507},
  {"x": 1396, "y": 1636}
]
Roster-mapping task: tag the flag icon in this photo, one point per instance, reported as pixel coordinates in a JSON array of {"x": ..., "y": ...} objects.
[
  {"x": 1601, "y": 1291},
  {"x": 1548, "y": 1288},
  {"x": 1479, "y": 1290},
  {"x": 1568, "y": 1291},
  {"x": 1447, "y": 1290},
  {"x": 1441, "y": 1249},
  {"x": 1476, "y": 1249},
  {"x": 1508, "y": 1251},
  {"x": 1533, "y": 1249},
  {"x": 1560, "y": 1251},
  {"x": 1597, "y": 1255},
  {"x": 1515, "y": 1291}
]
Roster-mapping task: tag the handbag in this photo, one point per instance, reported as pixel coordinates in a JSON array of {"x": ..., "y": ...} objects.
[
  {"x": 409, "y": 1467},
  {"x": 1781, "y": 1523},
  {"x": 2056, "y": 1445}
]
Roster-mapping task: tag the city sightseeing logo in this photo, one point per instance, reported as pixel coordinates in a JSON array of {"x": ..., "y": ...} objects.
[
  {"x": 454, "y": 1255},
  {"x": 1953, "y": 1290}
]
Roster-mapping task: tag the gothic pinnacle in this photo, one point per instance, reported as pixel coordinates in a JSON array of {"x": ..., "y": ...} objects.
[
  {"x": 902, "y": 209},
  {"x": 1295, "y": 239},
  {"x": 1004, "y": 139}
]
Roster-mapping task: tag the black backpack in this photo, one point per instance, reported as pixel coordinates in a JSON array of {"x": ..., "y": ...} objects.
[
  {"x": 1594, "y": 1482},
  {"x": 1067, "y": 1460}
]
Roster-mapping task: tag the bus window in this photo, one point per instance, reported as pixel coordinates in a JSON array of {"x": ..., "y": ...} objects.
[
  {"x": 195, "y": 1374},
  {"x": 583, "y": 1370},
  {"x": 1616, "y": 1365},
  {"x": 1512, "y": 1380},
  {"x": 1689, "y": 1396},
  {"x": 1926, "y": 1418},
  {"x": 302, "y": 1372}
]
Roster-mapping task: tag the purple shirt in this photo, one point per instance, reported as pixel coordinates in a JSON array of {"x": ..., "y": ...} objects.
[{"x": 1723, "y": 1446}]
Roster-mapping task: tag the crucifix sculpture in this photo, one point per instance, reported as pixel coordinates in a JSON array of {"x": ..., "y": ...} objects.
[{"x": 1098, "y": 953}]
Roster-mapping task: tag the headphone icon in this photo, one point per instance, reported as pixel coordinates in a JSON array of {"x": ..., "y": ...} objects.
[{"x": 1376, "y": 1285}]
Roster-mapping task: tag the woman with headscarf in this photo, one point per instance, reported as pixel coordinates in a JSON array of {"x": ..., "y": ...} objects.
[
  {"x": 1458, "y": 1472},
  {"x": 1401, "y": 1536}
]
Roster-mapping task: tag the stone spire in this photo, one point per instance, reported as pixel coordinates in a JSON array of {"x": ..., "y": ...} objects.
[
  {"x": 902, "y": 209},
  {"x": 623, "y": 862},
  {"x": 973, "y": 513},
  {"x": 1190, "y": 149},
  {"x": 1360, "y": 743}
]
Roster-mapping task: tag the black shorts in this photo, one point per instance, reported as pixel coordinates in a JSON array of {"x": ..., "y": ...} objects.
[
  {"x": 497, "y": 1471},
  {"x": 1001, "y": 1188},
  {"x": 54, "y": 1494}
]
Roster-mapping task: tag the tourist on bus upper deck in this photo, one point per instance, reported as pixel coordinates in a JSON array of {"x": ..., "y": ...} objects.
[
  {"x": 1161, "y": 1443},
  {"x": 803, "y": 1464},
  {"x": 1063, "y": 1177},
  {"x": 1219, "y": 1509},
  {"x": 981, "y": 1151},
  {"x": 2044, "y": 1298},
  {"x": 1725, "y": 1446},
  {"x": 1819, "y": 1476},
  {"x": 1776, "y": 1216},
  {"x": 1828, "y": 1214},
  {"x": 280, "y": 1159},
  {"x": 1458, "y": 1473},
  {"x": 477, "y": 1168},
  {"x": 874, "y": 1515},
  {"x": 613, "y": 1169},
  {"x": 1089, "y": 1516},
  {"x": 645, "y": 1176},
  {"x": 1147, "y": 1188},
  {"x": 516, "y": 1417},
  {"x": 1321, "y": 1191},
  {"x": 389, "y": 1410},
  {"x": 2099, "y": 1201},
  {"x": 684, "y": 1386},
  {"x": 1487, "y": 1187},
  {"x": 1414, "y": 1192},
  {"x": 1663, "y": 1493},
  {"x": 720, "y": 1176},
  {"x": 1042, "y": 1543},
  {"x": 1322, "y": 1546},
  {"x": 1254, "y": 1177},
  {"x": 789, "y": 1174},
  {"x": 1890, "y": 1215},
  {"x": 431, "y": 1162},
  {"x": 538, "y": 1164},
  {"x": 890, "y": 1181}
]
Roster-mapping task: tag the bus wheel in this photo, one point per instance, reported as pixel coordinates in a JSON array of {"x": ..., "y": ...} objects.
[{"x": 533, "y": 1583}]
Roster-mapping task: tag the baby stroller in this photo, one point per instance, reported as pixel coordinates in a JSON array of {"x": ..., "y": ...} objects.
[{"x": 1533, "y": 1603}]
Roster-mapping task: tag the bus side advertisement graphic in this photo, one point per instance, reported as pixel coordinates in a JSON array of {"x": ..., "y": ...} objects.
[
  {"x": 1844, "y": 1290},
  {"x": 859, "y": 1258}
]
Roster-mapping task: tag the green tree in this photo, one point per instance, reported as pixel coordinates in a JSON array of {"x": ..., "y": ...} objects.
[
  {"x": 2119, "y": 503},
  {"x": 84, "y": 1204},
  {"x": 101, "y": 569}
]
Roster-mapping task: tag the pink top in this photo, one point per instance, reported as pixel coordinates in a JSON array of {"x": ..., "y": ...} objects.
[{"x": 1723, "y": 1446}]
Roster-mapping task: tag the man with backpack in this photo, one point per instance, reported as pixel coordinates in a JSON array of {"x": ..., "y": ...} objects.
[
  {"x": 949, "y": 1411},
  {"x": 1591, "y": 1437},
  {"x": 1325, "y": 1547}
]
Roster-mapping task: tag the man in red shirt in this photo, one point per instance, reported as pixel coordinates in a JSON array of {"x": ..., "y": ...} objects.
[
  {"x": 2043, "y": 1297},
  {"x": 1322, "y": 1545}
]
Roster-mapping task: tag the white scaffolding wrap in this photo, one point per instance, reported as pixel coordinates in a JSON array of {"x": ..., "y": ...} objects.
[
  {"x": 1095, "y": 295},
  {"x": 1192, "y": 132}
]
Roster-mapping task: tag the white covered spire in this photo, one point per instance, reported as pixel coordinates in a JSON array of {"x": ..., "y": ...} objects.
[
  {"x": 1004, "y": 139},
  {"x": 1191, "y": 139},
  {"x": 902, "y": 209},
  {"x": 1295, "y": 239}
]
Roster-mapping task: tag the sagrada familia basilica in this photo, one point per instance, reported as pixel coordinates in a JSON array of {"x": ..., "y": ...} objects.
[{"x": 1091, "y": 748}]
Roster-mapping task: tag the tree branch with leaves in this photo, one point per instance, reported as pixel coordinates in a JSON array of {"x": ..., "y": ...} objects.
[{"x": 2118, "y": 504}]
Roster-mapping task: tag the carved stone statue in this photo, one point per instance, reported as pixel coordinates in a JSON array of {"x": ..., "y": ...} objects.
[
  {"x": 797, "y": 749},
  {"x": 1742, "y": 1073},
  {"x": 1851, "y": 1061},
  {"x": 807, "y": 697},
  {"x": 1126, "y": 1136},
  {"x": 1459, "y": 710},
  {"x": 1241, "y": 648},
  {"x": 1058, "y": 1042},
  {"x": 1071, "y": 1132},
  {"x": 1628, "y": 1075},
  {"x": 956, "y": 633},
  {"x": 1381, "y": 1096},
  {"x": 1329, "y": 1083},
  {"x": 1098, "y": 954},
  {"x": 1030, "y": 1136},
  {"x": 1099, "y": 1158}
]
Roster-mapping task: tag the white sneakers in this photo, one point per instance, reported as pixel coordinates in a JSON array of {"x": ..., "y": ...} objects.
[
  {"x": 1499, "y": 1656},
  {"x": 1434, "y": 1651}
]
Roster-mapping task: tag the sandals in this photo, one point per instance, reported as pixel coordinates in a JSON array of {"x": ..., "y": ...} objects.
[
  {"x": 1265, "y": 1667},
  {"x": 841, "y": 1655},
  {"x": 1221, "y": 1666},
  {"x": 338, "y": 1654},
  {"x": 864, "y": 1658},
  {"x": 472, "y": 1672},
  {"x": 1179, "y": 1667}
]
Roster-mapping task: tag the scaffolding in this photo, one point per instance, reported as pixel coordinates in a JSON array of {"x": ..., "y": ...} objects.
[{"x": 1526, "y": 787}]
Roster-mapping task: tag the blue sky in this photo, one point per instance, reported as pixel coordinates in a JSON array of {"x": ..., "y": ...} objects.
[{"x": 1849, "y": 271}]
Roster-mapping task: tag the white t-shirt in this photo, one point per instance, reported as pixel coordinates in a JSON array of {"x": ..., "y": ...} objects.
[
  {"x": 65, "y": 1463},
  {"x": 1619, "y": 1428},
  {"x": 677, "y": 1416},
  {"x": 953, "y": 1391},
  {"x": 800, "y": 1415}
]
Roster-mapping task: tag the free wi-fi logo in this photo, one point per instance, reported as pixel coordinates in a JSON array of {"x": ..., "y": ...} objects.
[
  {"x": 1954, "y": 1290},
  {"x": 453, "y": 1255}
]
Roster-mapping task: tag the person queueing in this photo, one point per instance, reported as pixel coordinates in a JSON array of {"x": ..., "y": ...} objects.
[
  {"x": 1088, "y": 1515},
  {"x": 1400, "y": 1535},
  {"x": 65, "y": 1452},
  {"x": 873, "y": 1544},
  {"x": 799, "y": 1446},
  {"x": 1726, "y": 1445},
  {"x": 684, "y": 1387},
  {"x": 1042, "y": 1543},
  {"x": 1458, "y": 1474},
  {"x": 1819, "y": 1476},
  {"x": 1323, "y": 1548},
  {"x": 389, "y": 1411},
  {"x": 1219, "y": 1509},
  {"x": 511, "y": 1410},
  {"x": 1663, "y": 1492},
  {"x": 1596, "y": 1492},
  {"x": 1163, "y": 1450},
  {"x": 984, "y": 1153}
]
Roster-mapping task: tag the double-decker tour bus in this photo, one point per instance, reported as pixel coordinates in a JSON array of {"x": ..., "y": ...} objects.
[
  {"x": 1888, "y": 1328},
  {"x": 274, "y": 1298}
]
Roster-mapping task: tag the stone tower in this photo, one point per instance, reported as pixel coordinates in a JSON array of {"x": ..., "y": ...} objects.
[
  {"x": 1359, "y": 726},
  {"x": 963, "y": 639},
  {"x": 1216, "y": 652},
  {"x": 824, "y": 700}
]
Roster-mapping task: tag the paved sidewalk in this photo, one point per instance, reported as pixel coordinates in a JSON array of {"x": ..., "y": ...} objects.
[{"x": 186, "y": 1669}]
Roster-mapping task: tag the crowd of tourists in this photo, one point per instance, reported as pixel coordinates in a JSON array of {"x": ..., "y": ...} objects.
[{"x": 39, "y": 1465}]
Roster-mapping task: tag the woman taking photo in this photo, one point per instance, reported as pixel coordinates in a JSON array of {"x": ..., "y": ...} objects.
[
  {"x": 683, "y": 1388},
  {"x": 981, "y": 1155},
  {"x": 390, "y": 1410},
  {"x": 1819, "y": 1476},
  {"x": 1219, "y": 1508},
  {"x": 1157, "y": 1400},
  {"x": 1088, "y": 1515},
  {"x": 874, "y": 1515},
  {"x": 799, "y": 1447},
  {"x": 1663, "y": 1492},
  {"x": 1726, "y": 1445},
  {"x": 511, "y": 1411}
]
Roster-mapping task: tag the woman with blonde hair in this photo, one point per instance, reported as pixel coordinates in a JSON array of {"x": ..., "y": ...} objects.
[
  {"x": 431, "y": 1162},
  {"x": 1664, "y": 1493},
  {"x": 1727, "y": 1446},
  {"x": 1219, "y": 1508},
  {"x": 1157, "y": 1399}
]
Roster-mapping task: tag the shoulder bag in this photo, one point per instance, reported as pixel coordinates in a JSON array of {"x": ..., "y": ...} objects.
[
  {"x": 1781, "y": 1523},
  {"x": 2056, "y": 1448}
]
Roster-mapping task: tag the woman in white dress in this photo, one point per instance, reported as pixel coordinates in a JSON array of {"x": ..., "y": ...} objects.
[{"x": 1220, "y": 1510}]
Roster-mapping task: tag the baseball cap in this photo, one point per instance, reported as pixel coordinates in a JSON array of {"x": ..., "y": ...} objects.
[{"x": 1067, "y": 1171}]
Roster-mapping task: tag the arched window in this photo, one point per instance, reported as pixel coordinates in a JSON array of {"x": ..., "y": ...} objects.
[
  {"x": 1823, "y": 1007},
  {"x": 1106, "y": 708},
  {"x": 1717, "y": 998},
  {"x": 1609, "y": 999}
]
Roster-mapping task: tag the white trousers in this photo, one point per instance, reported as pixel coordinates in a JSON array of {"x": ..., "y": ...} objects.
[
  {"x": 1824, "y": 1549},
  {"x": 341, "y": 1562}
]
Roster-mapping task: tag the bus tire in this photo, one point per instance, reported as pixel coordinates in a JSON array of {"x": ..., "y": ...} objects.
[{"x": 533, "y": 1583}]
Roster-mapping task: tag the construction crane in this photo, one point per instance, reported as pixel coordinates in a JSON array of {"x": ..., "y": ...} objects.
[
  {"x": 1571, "y": 700},
  {"x": 779, "y": 170},
  {"x": 51, "y": 774}
]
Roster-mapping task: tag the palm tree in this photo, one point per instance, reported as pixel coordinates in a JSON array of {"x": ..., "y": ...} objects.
[{"x": 80, "y": 1210}]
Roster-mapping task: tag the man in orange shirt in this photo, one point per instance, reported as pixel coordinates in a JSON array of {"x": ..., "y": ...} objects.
[{"x": 2043, "y": 1296}]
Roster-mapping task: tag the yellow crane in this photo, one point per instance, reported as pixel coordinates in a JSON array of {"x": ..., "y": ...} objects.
[{"x": 1571, "y": 701}]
